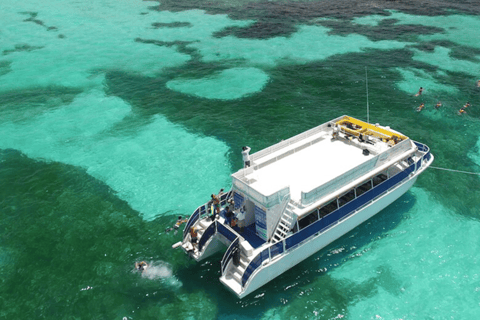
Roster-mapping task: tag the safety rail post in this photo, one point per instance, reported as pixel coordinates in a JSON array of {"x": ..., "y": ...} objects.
[
  {"x": 229, "y": 254},
  {"x": 191, "y": 221}
]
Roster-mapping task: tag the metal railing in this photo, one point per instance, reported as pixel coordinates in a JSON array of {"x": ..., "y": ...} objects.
[
  {"x": 311, "y": 196},
  {"x": 202, "y": 210},
  {"x": 266, "y": 201},
  {"x": 209, "y": 232},
  {"x": 226, "y": 232},
  {"x": 229, "y": 254}
]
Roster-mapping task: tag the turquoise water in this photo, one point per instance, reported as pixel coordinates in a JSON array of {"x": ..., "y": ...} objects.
[{"x": 118, "y": 116}]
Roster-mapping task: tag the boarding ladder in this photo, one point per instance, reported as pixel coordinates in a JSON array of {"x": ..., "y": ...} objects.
[
  {"x": 235, "y": 271},
  {"x": 285, "y": 224}
]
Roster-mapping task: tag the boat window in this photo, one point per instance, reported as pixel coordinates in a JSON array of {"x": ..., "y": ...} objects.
[
  {"x": 364, "y": 188},
  {"x": 328, "y": 208},
  {"x": 308, "y": 220},
  {"x": 379, "y": 179},
  {"x": 409, "y": 161},
  {"x": 346, "y": 198}
]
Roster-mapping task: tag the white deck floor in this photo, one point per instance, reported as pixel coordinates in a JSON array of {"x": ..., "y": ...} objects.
[{"x": 308, "y": 168}]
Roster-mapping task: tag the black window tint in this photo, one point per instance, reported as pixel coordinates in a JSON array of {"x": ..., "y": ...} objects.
[
  {"x": 328, "y": 208},
  {"x": 346, "y": 198},
  {"x": 364, "y": 188},
  {"x": 308, "y": 220},
  {"x": 379, "y": 179}
]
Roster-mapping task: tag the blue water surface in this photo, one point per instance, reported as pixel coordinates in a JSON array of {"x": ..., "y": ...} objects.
[{"x": 116, "y": 117}]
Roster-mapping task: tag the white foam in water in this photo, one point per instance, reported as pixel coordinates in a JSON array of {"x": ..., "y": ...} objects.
[
  {"x": 150, "y": 169},
  {"x": 431, "y": 254},
  {"x": 159, "y": 270}
]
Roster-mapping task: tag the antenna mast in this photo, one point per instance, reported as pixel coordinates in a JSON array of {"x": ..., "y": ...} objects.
[{"x": 366, "y": 82}]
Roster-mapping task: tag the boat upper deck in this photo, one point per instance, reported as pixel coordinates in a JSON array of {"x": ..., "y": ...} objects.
[
  {"x": 308, "y": 168},
  {"x": 313, "y": 158}
]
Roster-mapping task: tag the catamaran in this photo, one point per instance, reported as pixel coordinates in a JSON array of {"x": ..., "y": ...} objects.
[{"x": 301, "y": 194}]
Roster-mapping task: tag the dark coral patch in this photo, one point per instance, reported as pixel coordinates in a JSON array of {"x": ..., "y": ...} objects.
[{"x": 158, "y": 25}]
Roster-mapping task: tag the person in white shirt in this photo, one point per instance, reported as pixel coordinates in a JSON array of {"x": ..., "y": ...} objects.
[
  {"x": 241, "y": 219},
  {"x": 246, "y": 156}
]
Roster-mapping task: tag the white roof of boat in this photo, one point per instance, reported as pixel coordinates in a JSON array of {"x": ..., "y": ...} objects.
[{"x": 308, "y": 168}]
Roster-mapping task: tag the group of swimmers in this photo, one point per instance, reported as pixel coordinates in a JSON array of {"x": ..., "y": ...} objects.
[
  {"x": 422, "y": 105},
  {"x": 439, "y": 104}
]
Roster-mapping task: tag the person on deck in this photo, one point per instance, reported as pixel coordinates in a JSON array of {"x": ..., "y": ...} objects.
[
  {"x": 216, "y": 205},
  {"x": 228, "y": 215},
  {"x": 193, "y": 235},
  {"x": 246, "y": 156},
  {"x": 241, "y": 219}
]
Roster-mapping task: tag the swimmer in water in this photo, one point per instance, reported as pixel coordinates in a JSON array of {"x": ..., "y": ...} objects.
[
  {"x": 419, "y": 92},
  {"x": 177, "y": 225},
  {"x": 420, "y": 108},
  {"x": 478, "y": 83},
  {"x": 438, "y": 105},
  {"x": 141, "y": 266},
  {"x": 466, "y": 105},
  {"x": 461, "y": 111}
]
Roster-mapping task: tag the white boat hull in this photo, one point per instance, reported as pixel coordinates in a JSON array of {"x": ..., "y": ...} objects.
[{"x": 282, "y": 263}]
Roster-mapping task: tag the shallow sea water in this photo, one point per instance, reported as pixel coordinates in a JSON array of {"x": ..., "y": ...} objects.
[{"x": 118, "y": 116}]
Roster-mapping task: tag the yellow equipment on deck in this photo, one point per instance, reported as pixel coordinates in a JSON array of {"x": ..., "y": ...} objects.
[{"x": 355, "y": 127}]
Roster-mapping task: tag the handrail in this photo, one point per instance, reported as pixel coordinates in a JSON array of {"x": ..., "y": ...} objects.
[
  {"x": 226, "y": 232},
  {"x": 229, "y": 254},
  {"x": 285, "y": 199},
  {"x": 193, "y": 218},
  {"x": 202, "y": 209},
  {"x": 307, "y": 198},
  {"x": 209, "y": 232},
  {"x": 291, "y": 140}
]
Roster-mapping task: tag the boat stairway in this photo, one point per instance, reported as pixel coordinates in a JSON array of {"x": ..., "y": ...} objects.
[
  {"x": 233, "y": 275},
  {"x": 285, "y": 224},
  {"x": 201, "y": 226}
]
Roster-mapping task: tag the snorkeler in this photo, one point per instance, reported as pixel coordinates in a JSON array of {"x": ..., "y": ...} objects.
[
  {"x": 461, "y": 111},
  {"x": 420, "y": 91},
  {"x": 466, "y": 105},
  {"x": 438, "y": 105},
  {"x": 141, "y": 266},
  {"x": 420, "y": 108},
  {"x": 177, "y": 224}
]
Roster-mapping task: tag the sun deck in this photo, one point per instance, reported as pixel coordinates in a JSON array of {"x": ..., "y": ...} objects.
[{"x": 308, "y": 168}]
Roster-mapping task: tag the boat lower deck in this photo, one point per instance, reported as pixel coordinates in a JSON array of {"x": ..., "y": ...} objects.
[{"x": 249, "y": 233}]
